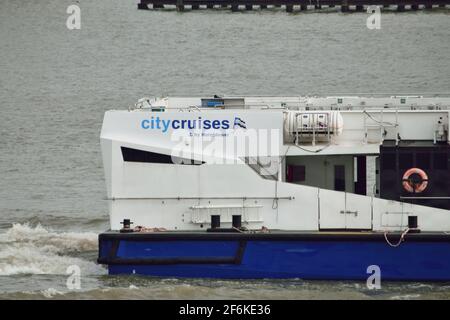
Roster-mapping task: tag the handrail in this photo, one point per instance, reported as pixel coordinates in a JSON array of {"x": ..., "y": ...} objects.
[{"x": 196, "y": 198}]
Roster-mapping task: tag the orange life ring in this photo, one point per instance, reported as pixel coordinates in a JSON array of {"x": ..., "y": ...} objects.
[{"x": 413, "y": 186}]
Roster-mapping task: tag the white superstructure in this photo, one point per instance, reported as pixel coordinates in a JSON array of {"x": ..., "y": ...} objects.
[{"x": 222, "y": 179}]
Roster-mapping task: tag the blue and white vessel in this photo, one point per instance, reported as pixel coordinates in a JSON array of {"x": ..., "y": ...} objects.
[{"x": 279, "y": 187}]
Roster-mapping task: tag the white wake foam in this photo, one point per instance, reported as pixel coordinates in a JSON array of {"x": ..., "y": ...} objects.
[{"x": 37, "y": 250}]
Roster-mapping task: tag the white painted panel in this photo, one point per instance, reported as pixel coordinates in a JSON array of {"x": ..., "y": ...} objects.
[
  {"x": 339, "y": 210},
  {"x": 299, "y": 213},
  {"x": 332, "y": 203},
  {"x": 358, "y": 211}
]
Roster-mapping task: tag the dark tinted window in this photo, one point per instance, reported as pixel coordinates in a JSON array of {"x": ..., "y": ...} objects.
[
  {"x": 296, "y": 173},
  {"x": 339, "y": 178},
  {"x": 423, "y": 160},
  {"x": 388, "y": 161},
  {"x": 135, "y": 155},
  {"x": 405, "y": 160},
  {"x": 440, "y": 161}
]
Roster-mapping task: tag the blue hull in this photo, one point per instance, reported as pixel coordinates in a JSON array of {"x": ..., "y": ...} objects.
[{"x": 419, "y": 258}]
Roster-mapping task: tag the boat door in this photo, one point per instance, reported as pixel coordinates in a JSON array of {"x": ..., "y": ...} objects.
[
  {"x": 330, "y": 206},
  {"x": 344, "y": 211},
  {"x": 358, "y": 211}
]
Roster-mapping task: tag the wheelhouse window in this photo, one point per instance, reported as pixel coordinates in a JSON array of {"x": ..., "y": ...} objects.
[
  {"x": 135, "y": 155},
  {"x": 339, "y": 178},
  {"x": 295, "y": 173},
  {"x": 440, "y": 161}
]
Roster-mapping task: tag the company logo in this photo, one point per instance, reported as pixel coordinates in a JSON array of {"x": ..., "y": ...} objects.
[
  {"x": 239, "y": 123},
  {"x": 156, "y": 123}
]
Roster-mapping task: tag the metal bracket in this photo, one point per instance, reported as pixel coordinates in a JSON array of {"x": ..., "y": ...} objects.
[{"x": 349, "y": 212}]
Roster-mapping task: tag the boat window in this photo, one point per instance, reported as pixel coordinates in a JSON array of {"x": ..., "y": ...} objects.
[
  {"x": 440, "y": 161},
  {"x": 135, "y": 155},
  {"x": 339, "y": 178},
  {"x": 388, "y": 161},
  {"x": 423, "y": 160},
  {"x": 295, "y": 173},
  {"x": 405, "y": 160}
]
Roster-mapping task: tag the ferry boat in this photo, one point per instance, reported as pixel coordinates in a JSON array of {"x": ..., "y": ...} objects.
[{"x": 279, "y": 187}]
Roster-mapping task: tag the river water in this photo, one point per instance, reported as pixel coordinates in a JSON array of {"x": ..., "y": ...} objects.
[{"x": 56, "y": 84}]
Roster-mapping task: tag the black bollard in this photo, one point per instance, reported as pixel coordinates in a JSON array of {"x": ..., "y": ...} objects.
[
  {"x": 237, "y": 221},
  {"x": 215, "y": 221},
  {"x": 412, "y": 222},
  {"x": 126, "y": 226}
]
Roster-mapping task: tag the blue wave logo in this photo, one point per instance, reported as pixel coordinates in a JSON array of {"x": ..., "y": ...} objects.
[{"x": 239, "y": 123}]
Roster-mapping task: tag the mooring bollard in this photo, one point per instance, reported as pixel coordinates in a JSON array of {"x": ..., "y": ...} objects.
[
  {"x": 215, "y": 221},
  {"x": 236, "y": 221}
]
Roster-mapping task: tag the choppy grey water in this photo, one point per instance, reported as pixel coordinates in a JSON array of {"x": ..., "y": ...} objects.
[{"x": 56, "y": 84}]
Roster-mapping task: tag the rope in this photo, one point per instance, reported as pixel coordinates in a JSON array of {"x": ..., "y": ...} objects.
[
  {"x": 238, "y": 230},
  {"x": 275, "y": 199},
  {"x": 399, "y": 241},
  {"x": 307, "y": 150},
  {"x": 312, "y": 151}
]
